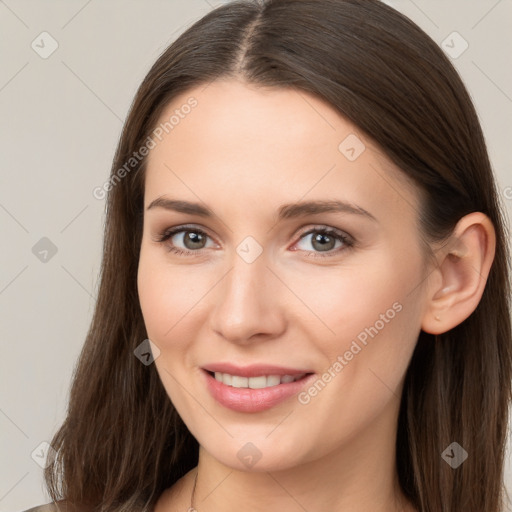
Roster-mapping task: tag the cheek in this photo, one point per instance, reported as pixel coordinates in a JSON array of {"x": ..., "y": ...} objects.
[
  {"x": 156, "y": 299},
  {"x": 166, "y": 295},
  {"x": 354, "y": 295},
  {"x": 372, "y": 310},
  {"x": 169, "y": 296}
]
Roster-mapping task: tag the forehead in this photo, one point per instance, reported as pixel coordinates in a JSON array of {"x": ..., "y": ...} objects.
[
  {"x": 231, "y": 141},
  {"x": 268, "y": 122}
]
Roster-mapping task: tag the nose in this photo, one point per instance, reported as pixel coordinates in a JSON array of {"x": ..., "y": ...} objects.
[{"x": 247, "y": 303}]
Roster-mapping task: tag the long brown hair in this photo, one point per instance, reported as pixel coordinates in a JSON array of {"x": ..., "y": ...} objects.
[{"x": 122, "y": 442}]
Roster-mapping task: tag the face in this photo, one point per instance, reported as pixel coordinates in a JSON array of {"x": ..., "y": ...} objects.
[{"x": 254, "y": 276}]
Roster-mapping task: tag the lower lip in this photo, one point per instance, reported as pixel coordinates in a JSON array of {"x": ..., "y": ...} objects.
[{"x": 253, "y": 400}]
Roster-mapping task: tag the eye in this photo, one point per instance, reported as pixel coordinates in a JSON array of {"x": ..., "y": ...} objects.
[
  {"x": 324, "y": 240},
  {"x": 193, "y": 239}
]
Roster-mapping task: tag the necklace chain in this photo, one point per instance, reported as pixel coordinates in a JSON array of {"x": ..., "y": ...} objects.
[{"x": 192, "y": 509}]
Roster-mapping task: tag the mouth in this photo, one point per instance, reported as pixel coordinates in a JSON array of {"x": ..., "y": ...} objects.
[
  {"x": 256, "y": 393},
  {"x": 257, "y": 382}
]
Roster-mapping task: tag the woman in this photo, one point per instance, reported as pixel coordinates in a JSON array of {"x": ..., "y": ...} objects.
[{"x": 303, "y": 220}]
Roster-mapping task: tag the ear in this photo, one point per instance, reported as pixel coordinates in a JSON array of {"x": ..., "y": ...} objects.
[{"x": 458, "y": 282}]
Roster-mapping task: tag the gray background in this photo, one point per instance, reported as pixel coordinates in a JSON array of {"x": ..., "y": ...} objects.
[{"x": 60, "y": 121}]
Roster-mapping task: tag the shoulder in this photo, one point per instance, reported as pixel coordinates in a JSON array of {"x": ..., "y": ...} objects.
[
  {"x": 59, "y": 506},
  {"x": 49, "y": 507},
  {"x": 177, "y": 497}
]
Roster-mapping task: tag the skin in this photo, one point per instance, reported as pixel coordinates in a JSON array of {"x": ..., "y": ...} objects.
[{"x": 244, "y": 151}]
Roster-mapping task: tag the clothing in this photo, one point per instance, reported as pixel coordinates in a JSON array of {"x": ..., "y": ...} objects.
[
  {"x": 49, "y": 507},
  {"x": 60, "y": 506}
]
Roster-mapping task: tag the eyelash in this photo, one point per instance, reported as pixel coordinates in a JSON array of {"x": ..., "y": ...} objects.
[{"x": 338, "y": 235}]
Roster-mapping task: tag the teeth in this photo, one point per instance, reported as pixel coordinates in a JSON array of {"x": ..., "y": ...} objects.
[
  {"x": 238, "y": 382},
  {"x": 263, "y": 381}
]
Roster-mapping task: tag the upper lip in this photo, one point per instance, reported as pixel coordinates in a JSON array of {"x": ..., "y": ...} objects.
[{"x": 253, "y": 370}]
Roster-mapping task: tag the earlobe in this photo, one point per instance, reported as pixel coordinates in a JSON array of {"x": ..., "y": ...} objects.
[{"x": 463, "y": 267}]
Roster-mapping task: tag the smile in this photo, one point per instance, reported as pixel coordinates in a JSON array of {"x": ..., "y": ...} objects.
[
  {"x": 260, "y": 382},
  {"x": 255, "y": 393}
]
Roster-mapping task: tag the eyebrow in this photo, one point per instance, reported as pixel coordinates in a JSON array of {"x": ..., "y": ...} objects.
[{"x": 286, "y": 211}]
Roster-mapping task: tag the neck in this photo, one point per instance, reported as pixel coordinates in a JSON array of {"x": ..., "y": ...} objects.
[{"x": 360, "y": 476}]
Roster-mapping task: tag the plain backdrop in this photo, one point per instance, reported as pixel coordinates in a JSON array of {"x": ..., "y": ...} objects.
[{"x": 61, "y": 117}]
